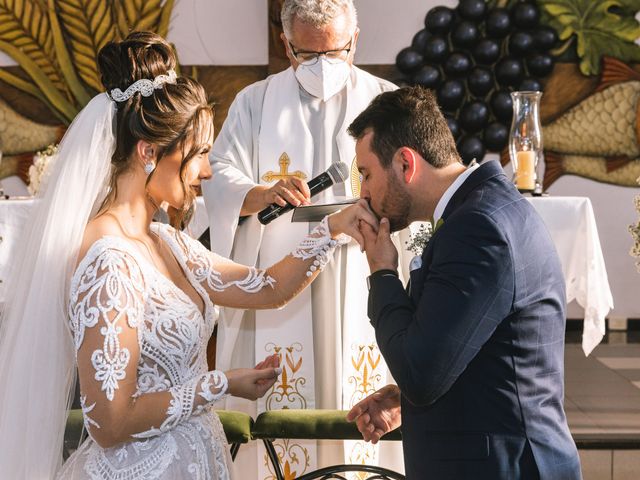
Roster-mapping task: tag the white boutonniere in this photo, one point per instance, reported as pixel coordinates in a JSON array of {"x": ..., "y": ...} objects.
[
  {"x": 635, "y": 232},
  {"x": 420, "y": 239}
]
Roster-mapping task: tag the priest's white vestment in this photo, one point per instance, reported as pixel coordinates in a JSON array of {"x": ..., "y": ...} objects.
[{"x": 324, "y": 338}]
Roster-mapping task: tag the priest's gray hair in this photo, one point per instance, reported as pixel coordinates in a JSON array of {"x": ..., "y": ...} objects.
[{"x": 317, "y": 13}]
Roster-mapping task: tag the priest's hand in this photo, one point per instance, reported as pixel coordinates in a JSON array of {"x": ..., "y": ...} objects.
[
  {"x": 381, "y": 252},
  {"x": 347, "y": 221},
  {"x": 288, "y": 190},
  {"x": 378, "y": 414}
]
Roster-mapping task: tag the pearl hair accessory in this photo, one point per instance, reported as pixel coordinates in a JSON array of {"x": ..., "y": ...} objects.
[{"x": 144, "y": 86}]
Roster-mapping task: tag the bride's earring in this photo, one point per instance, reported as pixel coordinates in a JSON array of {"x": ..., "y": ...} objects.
[{"x": 149, "y": 167}]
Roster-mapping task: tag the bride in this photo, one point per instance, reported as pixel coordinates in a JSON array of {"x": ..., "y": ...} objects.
[{"x": 131, "y": 301}]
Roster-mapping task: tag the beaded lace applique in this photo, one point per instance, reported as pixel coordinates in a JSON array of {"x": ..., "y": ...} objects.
[
  {"x": 183, "y": 403},
  {"x": 204, "y": 272},
  {"x": 86, "y": 410},
  {"x": 105, "y": 295},
  {"x": 319, "y": 244}
]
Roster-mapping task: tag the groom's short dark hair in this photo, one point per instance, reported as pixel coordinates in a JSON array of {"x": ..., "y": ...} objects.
[{"x": 407, "y": 117}]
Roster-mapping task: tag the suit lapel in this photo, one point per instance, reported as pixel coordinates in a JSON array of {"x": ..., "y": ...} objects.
[{"x": 484, "y": 172}]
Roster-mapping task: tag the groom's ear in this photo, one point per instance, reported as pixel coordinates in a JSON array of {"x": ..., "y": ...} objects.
[{"x": 408, "y": 161}]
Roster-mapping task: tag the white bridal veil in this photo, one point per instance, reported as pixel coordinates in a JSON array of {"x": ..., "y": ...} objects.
[{"x": 36, "y": 349}]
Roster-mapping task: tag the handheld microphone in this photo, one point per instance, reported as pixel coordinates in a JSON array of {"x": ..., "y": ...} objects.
[{"x": 336, "y": 173}]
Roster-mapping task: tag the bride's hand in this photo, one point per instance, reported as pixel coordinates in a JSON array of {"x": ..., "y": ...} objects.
[
  {"x": 251, "y": 383},
  {"x": 270, "y": 361},
  {"x": 348, "y": 220}
]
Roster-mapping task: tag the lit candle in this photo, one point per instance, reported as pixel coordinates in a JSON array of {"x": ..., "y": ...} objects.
[{"x": 525, "y": 173}]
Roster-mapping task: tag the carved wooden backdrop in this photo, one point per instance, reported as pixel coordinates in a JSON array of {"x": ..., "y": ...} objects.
[{"x": 221, "y": 82}]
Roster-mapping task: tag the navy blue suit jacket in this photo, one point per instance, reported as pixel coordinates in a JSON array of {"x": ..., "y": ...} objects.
[{"x": 477, "y": 344}]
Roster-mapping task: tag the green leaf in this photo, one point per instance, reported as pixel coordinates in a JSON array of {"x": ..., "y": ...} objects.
[
  {"x": 140, "y": 15},
  {"x": 626, "y": 28},
  {"x": 601, "y": 28},
  {"x": 25, "y": 25},
  {"x": 630, "y": 5},
  {"x": 557, "y": 10},
  {"x": 165, "y": 17},
  {"x": 88, "y": 27},
  {"x": 52, "y": 94},
  {"x": 594, "y": 44},
  {"x": 64, "y": 59}
]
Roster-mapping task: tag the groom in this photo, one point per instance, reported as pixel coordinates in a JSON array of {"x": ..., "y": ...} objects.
[{"x": 476, "y": 341}]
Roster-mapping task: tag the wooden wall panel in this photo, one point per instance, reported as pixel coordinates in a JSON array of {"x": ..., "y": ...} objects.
[{"x": 224, "y": 83}]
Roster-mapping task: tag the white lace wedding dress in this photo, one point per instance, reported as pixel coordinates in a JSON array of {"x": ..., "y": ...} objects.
[{"x": 141, "y": 349}]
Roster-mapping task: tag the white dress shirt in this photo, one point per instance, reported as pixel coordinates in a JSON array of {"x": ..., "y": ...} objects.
[{"x": 453, "y": 188}]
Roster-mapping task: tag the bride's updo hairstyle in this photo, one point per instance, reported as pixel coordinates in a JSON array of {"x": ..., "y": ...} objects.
[{"x": 175, "y": 116}]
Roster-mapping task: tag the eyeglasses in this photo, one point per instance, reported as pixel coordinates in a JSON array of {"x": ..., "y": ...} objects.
[{"x": 311, "y": 58}]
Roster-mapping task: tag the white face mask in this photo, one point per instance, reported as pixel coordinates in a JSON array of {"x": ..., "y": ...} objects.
[{"x": 323, "y": 79}]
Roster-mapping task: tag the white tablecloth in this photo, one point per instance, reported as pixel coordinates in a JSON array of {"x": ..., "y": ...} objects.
[
  {"x": 570, "y": 221},
  {"x": 572, "y": 226},
  {"x": 14, "y": 214}
]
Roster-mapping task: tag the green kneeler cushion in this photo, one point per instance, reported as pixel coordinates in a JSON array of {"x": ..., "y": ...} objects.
[
  {"x": 73, "y": 429},
  {"x": 237, "y": 425},
  {"x": 310, "y": 424},
  {"x": 240, "y": 427}
]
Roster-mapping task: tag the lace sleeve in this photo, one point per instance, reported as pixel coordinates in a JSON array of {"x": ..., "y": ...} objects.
[
  {"x": 106, "y": 309},
  {"x": 233, "y": 285}
]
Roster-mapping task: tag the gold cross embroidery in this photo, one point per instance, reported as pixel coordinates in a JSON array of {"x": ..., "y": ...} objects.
[{"x": 284, "y": 163}]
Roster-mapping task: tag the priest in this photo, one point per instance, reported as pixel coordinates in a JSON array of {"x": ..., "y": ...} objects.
[{"x": 280, "y": 133}]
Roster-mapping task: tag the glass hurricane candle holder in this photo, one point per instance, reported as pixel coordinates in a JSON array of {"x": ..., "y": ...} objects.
[{"x": 525, "y": 140}]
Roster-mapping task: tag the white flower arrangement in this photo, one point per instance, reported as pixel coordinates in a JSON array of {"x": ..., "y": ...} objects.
[
  {"x": 41, "y": 169},
  {"x": 635, "y": 233}
]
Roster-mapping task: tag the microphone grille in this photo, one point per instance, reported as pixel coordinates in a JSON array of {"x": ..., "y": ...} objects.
[{"x": 338, "y": 172}]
